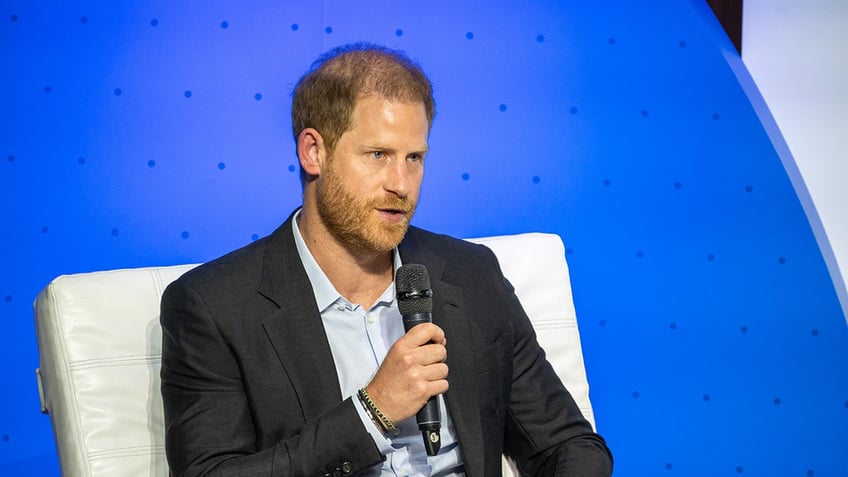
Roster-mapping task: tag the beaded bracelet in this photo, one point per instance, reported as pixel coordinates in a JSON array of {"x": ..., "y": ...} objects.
[{"x": 371, "y": 409}]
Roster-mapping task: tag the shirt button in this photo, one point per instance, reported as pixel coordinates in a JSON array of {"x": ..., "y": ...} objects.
[
  {"x": 370, "y": 317},
  {"x": 340, "y": 307}
]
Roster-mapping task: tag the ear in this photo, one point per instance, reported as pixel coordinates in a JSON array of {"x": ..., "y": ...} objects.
[{"x": 310, "y": 151}]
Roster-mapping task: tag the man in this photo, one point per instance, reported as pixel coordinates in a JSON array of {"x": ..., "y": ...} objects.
[{"x": 288, "y": 356}]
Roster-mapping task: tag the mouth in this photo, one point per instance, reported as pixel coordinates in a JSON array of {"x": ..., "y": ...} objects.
[{"x": 393, "y": 214}]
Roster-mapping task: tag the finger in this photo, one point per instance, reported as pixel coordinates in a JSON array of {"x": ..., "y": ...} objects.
[
  {"x": 425, "y": 333},
  {"x": 431, "y": 353},
  {"x": 435, "y": 372}
]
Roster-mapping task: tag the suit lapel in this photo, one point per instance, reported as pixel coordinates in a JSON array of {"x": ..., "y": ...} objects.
[
  {"x": 295, "y": 330},
  {"x": 462, "y": 398}
]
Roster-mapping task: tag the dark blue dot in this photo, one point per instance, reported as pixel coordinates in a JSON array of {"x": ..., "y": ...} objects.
[
  {"x": 44, "y": 229},
  {"x": 572, "y": 110},
  {"x": 295, "y": 26},
  {"x": 644, "y": 113},
  {"x": 466, "y": 176},
  {"x": 84, "y": 20},
  {"x": 221, "y": 165},
  {"x": 11, "y": 158},
  {"x": 607, "y": 182},
  {"x": 117, "y": 91},
  {"x": 398, "y": 32},
  {"x": 184, "y": 235},
  {"x": 668, "y": 466},
  {"x": 8, "y": 298},
  {"x": 225, "y": 24},
  {"x": 328, "y": 30},
  {"x": 640, "y": 254},
  {"x": 48, "y": 89},
  {"x": 740, "y": 469},
  {"x": 602, "y": 323},
  {"x": 635, "y": 394},
  {"x": 151, "y": 163},
  {"x": 14, "y": 18},
  {"x": 187, "y": 93},
  {"x": 502, "y": 107},
  {"x": 815, "y": 332},
  {"x": 257, "y": 96},
  {"x": 80, "y": 160},
  {"x": 154, "y": 22},
  {"x": 569, "y": 251},
  {"x": 537, "y": 179},
  {"x": 781, "y": 260},
  {"x": 254, "y": 237},
  {"x": 748, "y": 188},
  {"x": 777, "y": 401},
  {"x": 716, "y": 116},
  {"x": 672, "y": 326},
  {"x": 540, "y": 38},
  {"x": 114, "y": 232},
  {"x": 706, "y": 398},
  {"x": 810, "y": 473},
  {"x": 743, "y": 329},
  {"x": 6, "y": 437},
  {"x": 710, "y": 257},
  {"x": 678, "y": 185},
  {"x": 682, "y": 43},
  {"x": 611, "y": 41},
  {"x": 469, "y": 35},
  {"x": 846, "y": 404},
  {"x": 291, "y": 168}
]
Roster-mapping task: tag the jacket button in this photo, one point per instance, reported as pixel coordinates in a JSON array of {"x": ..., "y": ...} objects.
[
  {"x": 347, "y": 468},
  {"x": 337, "y": 473}
]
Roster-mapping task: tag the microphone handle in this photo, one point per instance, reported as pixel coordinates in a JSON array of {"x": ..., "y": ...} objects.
[
  {"x": 413, "y": 319},
  {"x": 428, "y": 418},
  {"x": 429, "y": 423}
]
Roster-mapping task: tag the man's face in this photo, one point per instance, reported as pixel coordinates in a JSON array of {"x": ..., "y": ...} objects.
[{"x": 368, "y": 189}]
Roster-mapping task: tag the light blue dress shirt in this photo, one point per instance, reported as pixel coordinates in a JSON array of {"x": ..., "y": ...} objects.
[{"x": 359, "y": 340}]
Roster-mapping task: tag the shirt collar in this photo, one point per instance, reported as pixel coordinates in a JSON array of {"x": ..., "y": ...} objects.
[{"x": 325, "y": 293}]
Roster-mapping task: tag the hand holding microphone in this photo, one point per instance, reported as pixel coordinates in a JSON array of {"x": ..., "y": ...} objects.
[
  {"x": 415, "y": 301},
  {"x": 414, "y": 372}
]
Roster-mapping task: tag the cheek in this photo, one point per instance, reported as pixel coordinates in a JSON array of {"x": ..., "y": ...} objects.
[{"x": 417, "y": 181}]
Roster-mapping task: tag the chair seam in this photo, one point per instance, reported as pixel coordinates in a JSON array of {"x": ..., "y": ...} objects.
[{"x": 66, "y": 363}]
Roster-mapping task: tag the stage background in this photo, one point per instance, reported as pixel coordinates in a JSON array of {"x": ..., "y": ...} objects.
[{"x": 155, "y": 133}]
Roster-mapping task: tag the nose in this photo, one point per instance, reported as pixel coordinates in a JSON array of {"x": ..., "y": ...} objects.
[{"x": 397, "y": 180}]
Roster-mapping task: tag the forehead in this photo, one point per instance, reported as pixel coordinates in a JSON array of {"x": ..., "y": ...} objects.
[{"x": 376, "y": 113}]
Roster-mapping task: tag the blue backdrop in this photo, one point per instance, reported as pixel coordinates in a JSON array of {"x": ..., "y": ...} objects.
[{"x": 155, "y": 133}]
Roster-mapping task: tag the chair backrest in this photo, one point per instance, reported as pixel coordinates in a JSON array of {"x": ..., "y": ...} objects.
[{"x": 99, "y": 343}]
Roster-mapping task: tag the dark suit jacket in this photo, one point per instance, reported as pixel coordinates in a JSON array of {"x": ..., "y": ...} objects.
[{"x": 250, "y": 387}]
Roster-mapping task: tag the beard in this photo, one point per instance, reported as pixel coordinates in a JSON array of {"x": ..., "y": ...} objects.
[{"x": 353, "y": 221}]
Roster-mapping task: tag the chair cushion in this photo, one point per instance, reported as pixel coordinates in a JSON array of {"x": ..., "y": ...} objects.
[{"x": 100, "y": 344}]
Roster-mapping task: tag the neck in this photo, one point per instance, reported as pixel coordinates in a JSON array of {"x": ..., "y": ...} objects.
[{"x": 361, "y": 276}]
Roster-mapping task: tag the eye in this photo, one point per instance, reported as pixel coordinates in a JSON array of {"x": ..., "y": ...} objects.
[
  {"x": 416, "y": 157},
  {"x": 378, "y": 154}
]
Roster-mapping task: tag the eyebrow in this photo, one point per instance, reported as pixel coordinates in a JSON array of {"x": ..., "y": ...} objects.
[{"x": 379, "y": 147}]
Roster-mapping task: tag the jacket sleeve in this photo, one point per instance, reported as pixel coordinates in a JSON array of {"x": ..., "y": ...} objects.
[
  {"x": 209, "y": 416},
  {"x": 546, "y": 434}
]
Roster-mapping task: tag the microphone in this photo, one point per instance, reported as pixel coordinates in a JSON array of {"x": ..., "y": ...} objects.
[{"x": 415, "y": 302}]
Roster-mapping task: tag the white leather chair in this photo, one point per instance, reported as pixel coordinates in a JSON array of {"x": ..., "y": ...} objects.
[{"x": 99, "y": 343}]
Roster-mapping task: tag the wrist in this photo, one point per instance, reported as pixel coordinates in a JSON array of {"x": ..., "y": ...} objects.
[{"x": 374, "y": 414}]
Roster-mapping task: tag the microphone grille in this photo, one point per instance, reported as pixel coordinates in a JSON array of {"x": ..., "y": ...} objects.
[{"x": 412, "y": 284}]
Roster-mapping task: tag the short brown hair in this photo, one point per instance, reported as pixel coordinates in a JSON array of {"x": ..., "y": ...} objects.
[{"x": 326, "y": 95}]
